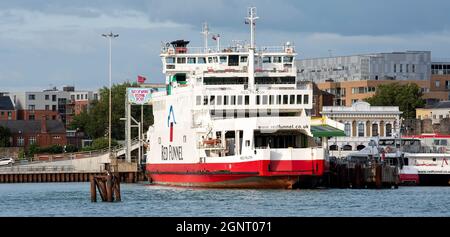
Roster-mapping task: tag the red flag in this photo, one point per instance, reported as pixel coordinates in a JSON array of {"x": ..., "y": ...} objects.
[{"x": 141, "y": 79}]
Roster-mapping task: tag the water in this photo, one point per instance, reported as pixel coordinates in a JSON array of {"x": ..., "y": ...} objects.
[{"x": 73, "y": 199}]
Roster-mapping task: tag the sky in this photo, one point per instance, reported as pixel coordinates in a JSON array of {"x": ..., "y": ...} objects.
[{"x": 47, "y": 43}]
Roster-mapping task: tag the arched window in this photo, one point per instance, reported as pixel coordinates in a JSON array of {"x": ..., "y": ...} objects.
[
  {"x": 361, "y": 130},
  {"x": 347, "y": 129},
  {"x": 388, "y": 130},
  {"x": 374, "y": 130},
  {"x": 360, "y": 147},
  {"x": 333, "y": 148},
  {"x": 347, "y": 148}
]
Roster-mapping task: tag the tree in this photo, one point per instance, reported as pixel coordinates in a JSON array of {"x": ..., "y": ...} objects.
[
  {"x": 100, "y": 144},
  {"x": 95, "y": 121},
  {"x": 5, "y": 137},
  {"x": 407, "y": 97}
]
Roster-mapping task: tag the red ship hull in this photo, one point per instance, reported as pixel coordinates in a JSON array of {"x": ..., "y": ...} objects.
[{"x": 253, "y": 174}]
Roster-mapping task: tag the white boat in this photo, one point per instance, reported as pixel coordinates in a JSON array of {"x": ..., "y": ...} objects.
[{"x": 233, "y": 117}]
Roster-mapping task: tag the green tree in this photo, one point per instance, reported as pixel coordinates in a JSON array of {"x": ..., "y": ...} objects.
[
  {"x": 33, "y": 149},
  {"x": 407, "y": 97},
  {"x": 100, "y": 144},
  {"x": 5, "y": 136},
  {"x": 95, "y": 121}
]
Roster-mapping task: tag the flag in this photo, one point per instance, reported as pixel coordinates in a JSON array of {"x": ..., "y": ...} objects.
[
  {"x": 247, "y": 22},
  {"x": 214, "y": 37},
  {"x": 141, "y": 79}
]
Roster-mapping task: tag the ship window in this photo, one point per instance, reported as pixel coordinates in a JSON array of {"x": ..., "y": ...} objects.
[
  {"x": 233, "y": 60},
  {"x": 201, "y": 60},
  {"x": 288, "y": 59},
  {"x": 285, "y": 99},
  {"x": 199, "y": 100},
  {"x": 225, "y": 100},
  {"x": 292, "y": 99},
  {"x": 159, "y": 140},
  {"x": 272, "y": 99},
  {"x": 267, "y": 59},
  {"x": 306, "y": 99},
  {"x": 277, "y": 59},
  {"x": 299, "y": 99},
  {"x": 192, "y": 60},
  {"x": 170, "y": 60},
  {"x": 247, "y": 143},
  {"x": 243, "y": 59},
  {"x": 233, "y": 100},
  {"x": 212, "y": 100},
  {"x": 181, "y": 60},
  {"x": 247, "y": 100},
  {"x": 240, "y": 100},
  {"x": 219, "y": 100},
  {"x": 205, "y": 100},
  {"x": 264, "y": 99},
  {"x": 257, "y": 99},
  {"x": 223, "y": 59},
  {"x": 184, "y": 138}
]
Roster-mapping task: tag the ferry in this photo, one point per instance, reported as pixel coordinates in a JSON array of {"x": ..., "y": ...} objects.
[{"x": 235, "y": 117}]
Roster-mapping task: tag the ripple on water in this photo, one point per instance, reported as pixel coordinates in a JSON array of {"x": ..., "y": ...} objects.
[{"x": 73, "y": 199}]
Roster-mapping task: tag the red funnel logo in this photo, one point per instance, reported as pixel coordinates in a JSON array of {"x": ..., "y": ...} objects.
[{"x": 170, "y": 122}]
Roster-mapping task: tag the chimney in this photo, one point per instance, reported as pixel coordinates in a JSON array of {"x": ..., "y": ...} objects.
[{"x": 44, "y": 124}]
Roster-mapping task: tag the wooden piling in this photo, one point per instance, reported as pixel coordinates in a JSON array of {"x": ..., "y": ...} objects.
[
  {"x": 378, "y": 176},
  {"x": 102, "y": 189},
  {"x": 117, "y": 188},
  {"x": 93, "y": 191},
  {"x": 109, "y": 191}
]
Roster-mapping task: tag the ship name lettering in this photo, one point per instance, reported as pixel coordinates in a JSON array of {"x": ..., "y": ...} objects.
[{"x": 171, "y": 153}]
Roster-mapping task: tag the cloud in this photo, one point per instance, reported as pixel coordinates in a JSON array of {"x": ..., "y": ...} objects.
[{"x": 19, "y": 22}]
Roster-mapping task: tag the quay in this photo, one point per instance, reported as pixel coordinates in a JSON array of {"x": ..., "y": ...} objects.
[
  {"x": 75, "y": 168},
  {"x": 360, "y": 175}
]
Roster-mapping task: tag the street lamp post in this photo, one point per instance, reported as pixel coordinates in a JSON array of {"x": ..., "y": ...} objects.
[{"x": 110, "y": 36}]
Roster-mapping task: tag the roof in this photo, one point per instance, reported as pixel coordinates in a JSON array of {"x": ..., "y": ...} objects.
[
  {"x": 326, "y": 131},
  {"x": 33, "y": 126},
  {"x": 439, "y": 105},
  {"x": 6, "y": 103}
]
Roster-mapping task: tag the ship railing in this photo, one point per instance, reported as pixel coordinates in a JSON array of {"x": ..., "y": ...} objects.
[
  {"x": 257, "y": 70},
  {"x": 35, "y": 169},
  {"x": 228, "y": 49}
]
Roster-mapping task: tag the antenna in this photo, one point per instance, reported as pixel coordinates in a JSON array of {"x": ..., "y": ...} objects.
[
  {"x": 205, "y": 32},
  {"x": 251, "y": 19}
]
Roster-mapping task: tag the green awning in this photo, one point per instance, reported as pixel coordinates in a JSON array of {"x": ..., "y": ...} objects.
[{"x": 326, "y": 131}]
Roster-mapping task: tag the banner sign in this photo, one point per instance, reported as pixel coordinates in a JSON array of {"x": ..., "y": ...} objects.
[{"x": 139, "y": 96}]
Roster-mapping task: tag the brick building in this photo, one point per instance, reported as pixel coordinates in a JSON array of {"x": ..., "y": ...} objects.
[{"x": 43, "y": 133}]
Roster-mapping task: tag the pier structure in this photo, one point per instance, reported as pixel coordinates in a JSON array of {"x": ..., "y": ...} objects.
[{"x": 76, "y": 167}]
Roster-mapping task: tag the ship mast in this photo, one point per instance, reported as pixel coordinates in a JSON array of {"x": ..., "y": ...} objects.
[
  {"x": 205, "y": 32},
  {"x": 251, "y": 19}
]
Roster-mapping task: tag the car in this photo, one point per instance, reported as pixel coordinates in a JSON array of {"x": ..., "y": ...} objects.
[{"x": 6, "y": 161}]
